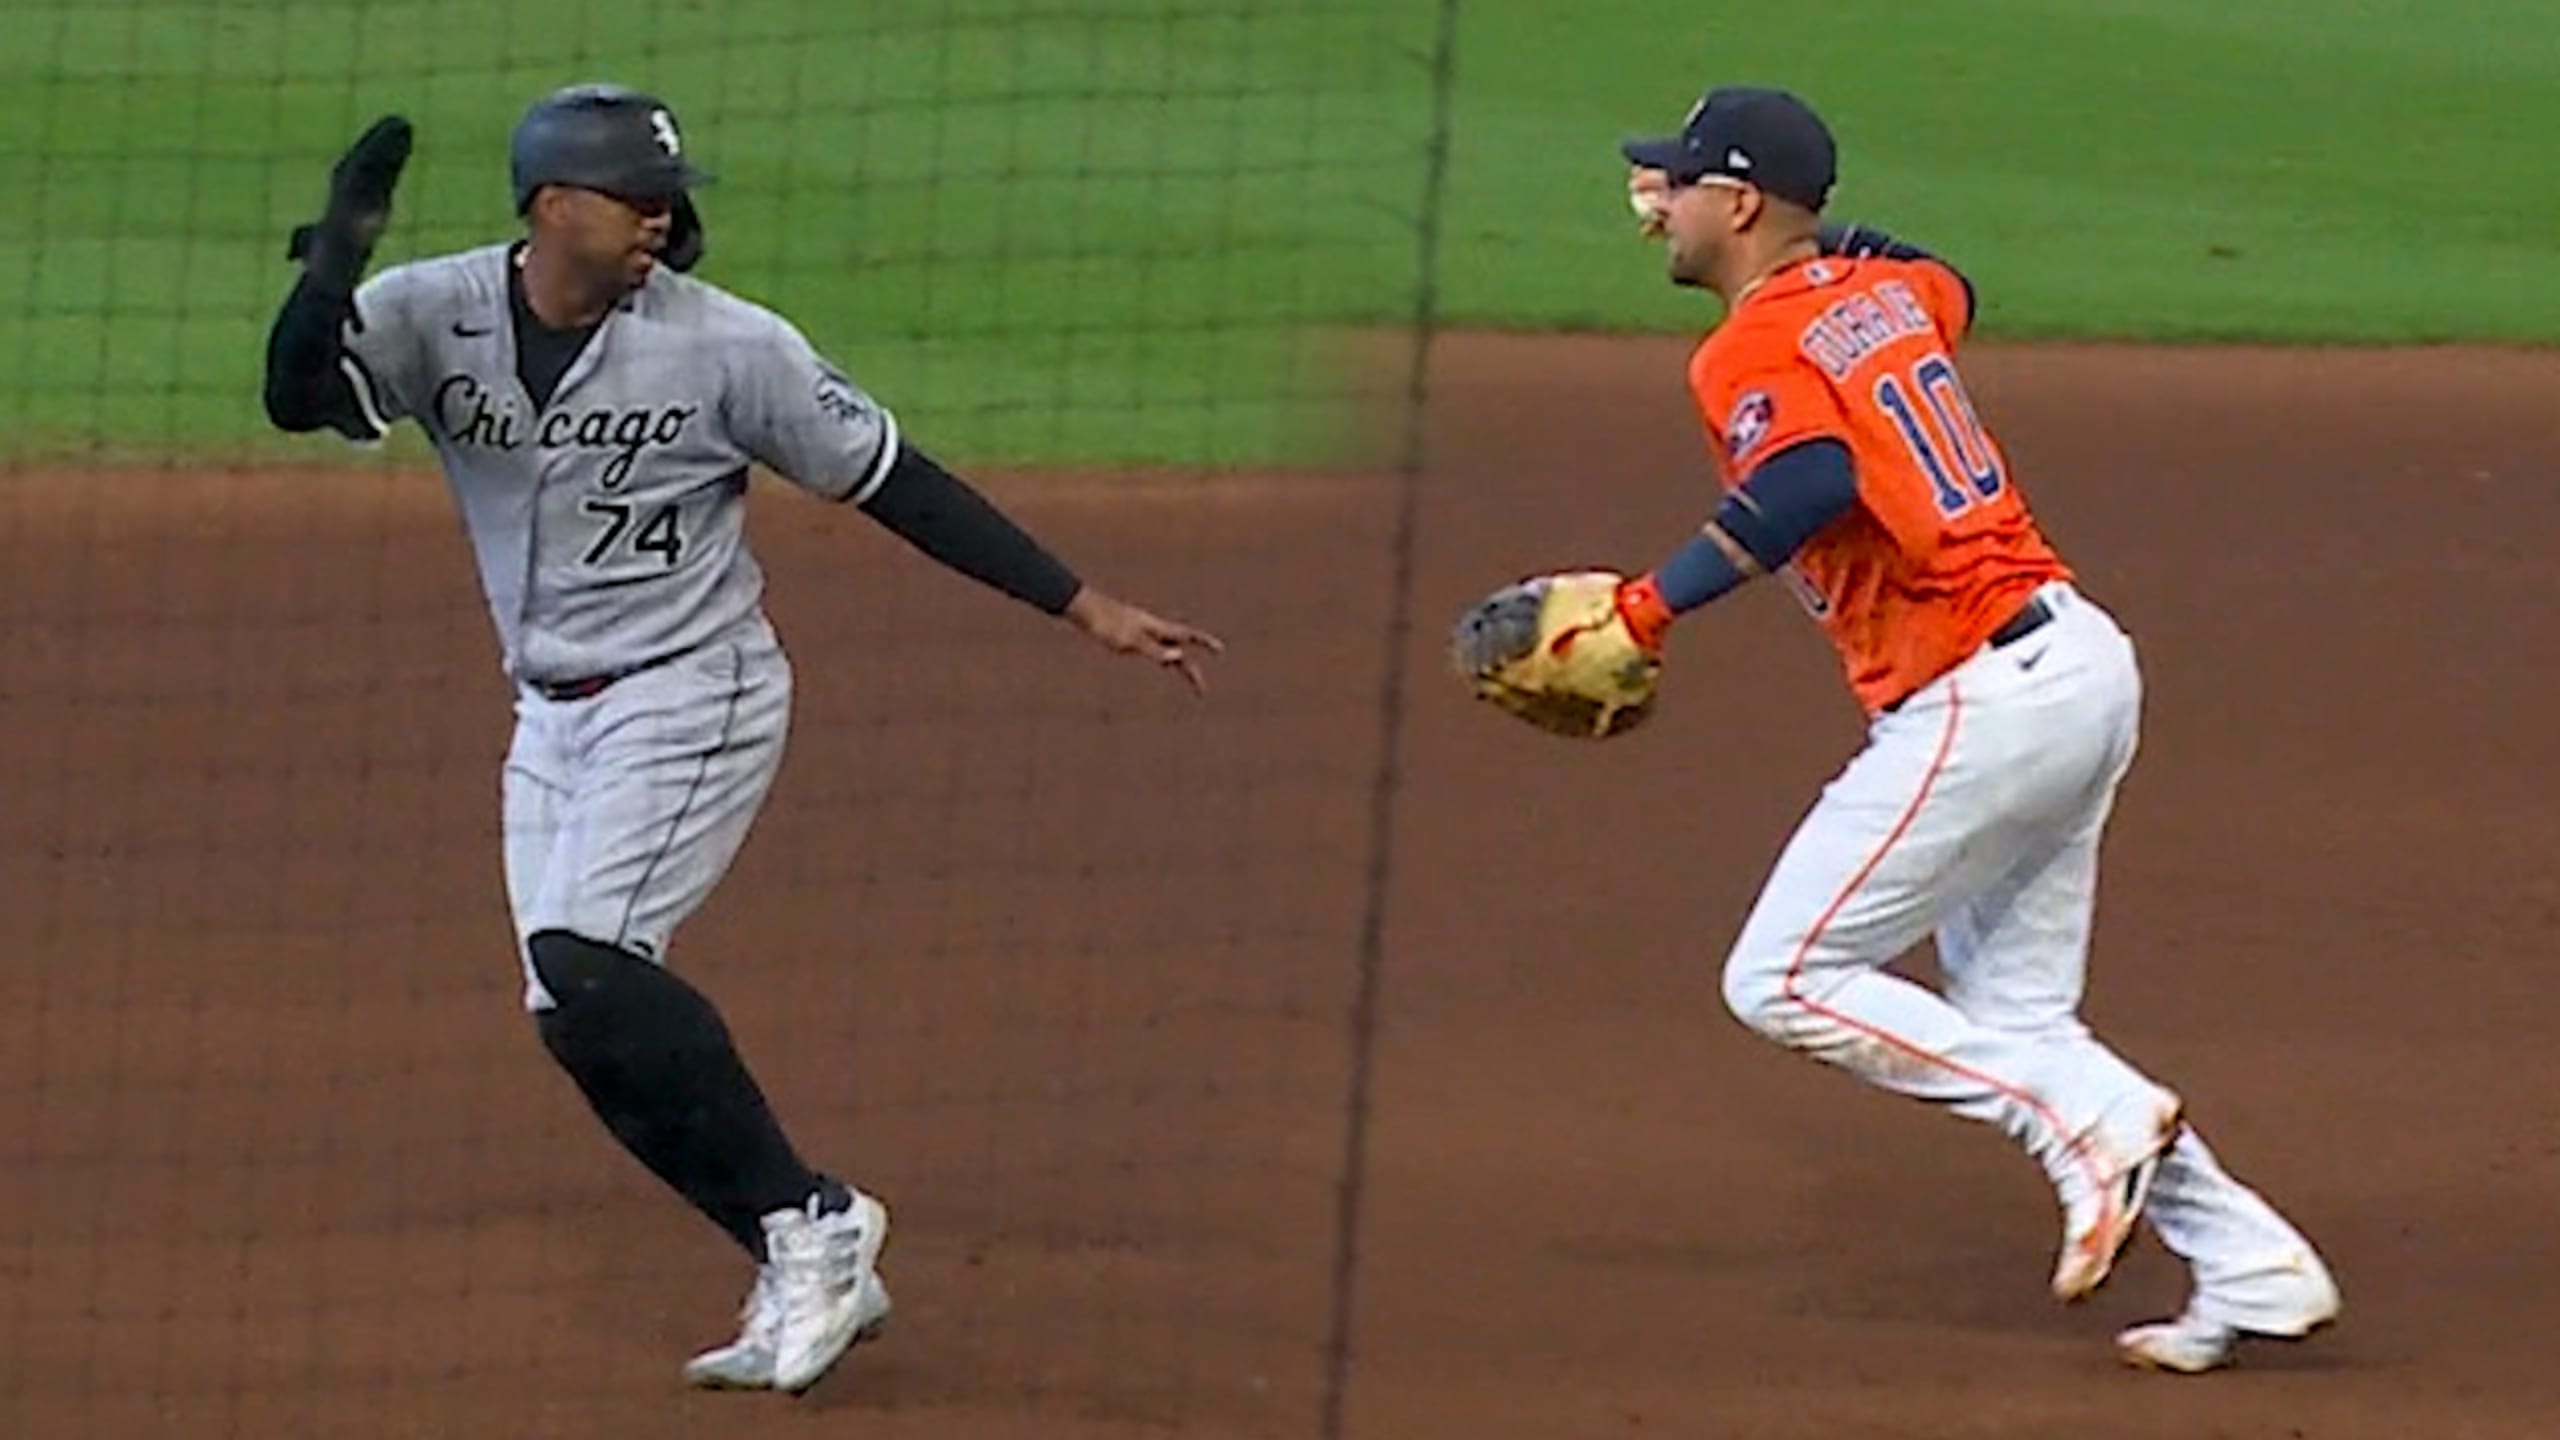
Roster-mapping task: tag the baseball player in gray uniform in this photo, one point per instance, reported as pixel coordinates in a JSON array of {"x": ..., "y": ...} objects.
[{"x": 596, "y": 410}]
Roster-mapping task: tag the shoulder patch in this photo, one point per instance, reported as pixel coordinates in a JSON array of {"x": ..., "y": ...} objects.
[
  {"x": 837, "y": 395},
  {"x": 1749, "y": 423}
]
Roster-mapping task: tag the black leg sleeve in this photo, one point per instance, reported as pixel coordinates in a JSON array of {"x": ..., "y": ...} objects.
[{"x": 656, "y": 1063}]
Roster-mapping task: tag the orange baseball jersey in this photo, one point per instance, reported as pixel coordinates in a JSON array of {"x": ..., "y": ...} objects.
[{"x": 1939, "y": 551}]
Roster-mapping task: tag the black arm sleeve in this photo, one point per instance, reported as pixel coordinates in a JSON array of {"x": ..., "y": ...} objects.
[
  {"x": 1860, "y": 241},
  {"x": 306, "y": 389},
  {"x": 938, "y": 513}
]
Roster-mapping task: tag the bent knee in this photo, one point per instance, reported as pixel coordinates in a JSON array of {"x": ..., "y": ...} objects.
[
  {"x": 566, "y": 970},
  {"x": 1757, "y": 993},
  {"x": 569, "y": 966}
]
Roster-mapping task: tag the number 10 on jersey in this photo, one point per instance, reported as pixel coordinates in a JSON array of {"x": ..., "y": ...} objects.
[{"x": 1948, "y": 444}]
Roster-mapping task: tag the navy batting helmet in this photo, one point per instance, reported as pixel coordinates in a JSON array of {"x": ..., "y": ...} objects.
[{"x": 601, "y": 137}]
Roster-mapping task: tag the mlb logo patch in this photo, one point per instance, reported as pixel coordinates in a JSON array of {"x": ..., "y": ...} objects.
[{"x": 1749, "y": 424}]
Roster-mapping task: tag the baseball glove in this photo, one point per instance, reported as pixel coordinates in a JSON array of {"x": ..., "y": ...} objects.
[
  {"x": 1556, "y": 651},
  {"x": 335, "y": 248}
]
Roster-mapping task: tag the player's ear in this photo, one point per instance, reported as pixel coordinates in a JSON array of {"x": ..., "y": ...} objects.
[{"x": 1750, "y": 204}]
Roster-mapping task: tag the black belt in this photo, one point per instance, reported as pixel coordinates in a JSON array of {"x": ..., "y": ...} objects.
[
  {"x": 586, "y": 687},
  {"x": 2031, "y": 617}
]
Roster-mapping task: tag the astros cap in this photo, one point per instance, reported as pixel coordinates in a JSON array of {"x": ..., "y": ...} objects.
[{"x": 1766, "y": 138}]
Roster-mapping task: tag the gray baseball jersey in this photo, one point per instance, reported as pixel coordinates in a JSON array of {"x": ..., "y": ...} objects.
[
  {"x": 609, "y": 524},
  {"x": 609, "y": 528}
]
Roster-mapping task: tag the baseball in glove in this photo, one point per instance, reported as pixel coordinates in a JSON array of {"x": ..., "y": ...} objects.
[{"x": 1557, "y": 651}]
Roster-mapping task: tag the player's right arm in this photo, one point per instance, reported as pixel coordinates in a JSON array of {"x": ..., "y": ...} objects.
[
  {"x": 336, "y": 357},
  {"x": 1789, "y": 498},
  {"x": 1792, "y": 476},
  {"x": 344, "y": 363}
]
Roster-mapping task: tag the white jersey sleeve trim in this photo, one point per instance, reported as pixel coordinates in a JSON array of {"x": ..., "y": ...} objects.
[
  {"x": 360, "y": 384},
  {"x": 880, "y": 468}
]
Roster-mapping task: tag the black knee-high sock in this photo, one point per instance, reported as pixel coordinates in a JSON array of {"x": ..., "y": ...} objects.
[{"x": 655, "y": 1062}]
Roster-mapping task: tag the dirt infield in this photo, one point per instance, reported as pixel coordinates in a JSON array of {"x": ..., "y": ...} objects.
[{"x": 1067, "y": 966}]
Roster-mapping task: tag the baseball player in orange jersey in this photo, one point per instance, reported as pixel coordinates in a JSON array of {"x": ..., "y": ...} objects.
[{"x": 2003, "y": 710}]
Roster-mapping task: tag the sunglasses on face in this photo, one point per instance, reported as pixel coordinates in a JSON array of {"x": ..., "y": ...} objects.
[{"x": 647, "y": 207}]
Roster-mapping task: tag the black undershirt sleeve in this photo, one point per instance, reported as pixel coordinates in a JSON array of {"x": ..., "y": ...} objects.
[
  {"x": 940, "y": 514},
  {"x": 305, "y": 390}
]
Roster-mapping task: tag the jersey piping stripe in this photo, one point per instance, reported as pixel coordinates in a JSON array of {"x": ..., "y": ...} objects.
[
  {"x": 360, "y": 384},
  {"x": 1793, "y": 992},
  {"x": 701, "y": 771},
  {"x": 881, "y": 466}
]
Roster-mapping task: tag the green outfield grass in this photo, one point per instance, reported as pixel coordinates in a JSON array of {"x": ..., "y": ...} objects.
[
  {"x": 1082, "y": 230},
  {"x": 2293, "y": 170},
  {"x": 1039, "y": 229}
]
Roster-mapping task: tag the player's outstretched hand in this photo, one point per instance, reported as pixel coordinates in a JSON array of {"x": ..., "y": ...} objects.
[{"x": 1123, "y": 627}]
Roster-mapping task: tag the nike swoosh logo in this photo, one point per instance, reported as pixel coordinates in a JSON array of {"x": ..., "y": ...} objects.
[
  {"x": 468, "y": 333},
  {"x": 2029, "y": 662}
]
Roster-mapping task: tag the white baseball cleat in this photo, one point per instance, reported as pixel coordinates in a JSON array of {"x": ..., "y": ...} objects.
[
  {"x": 827, "y": 1292},
  {"x": 2192, "y": 1343},
  {"x": 2099, "y": 1223},
  {"x": 745, "y": 1363},
  {"x": 752, "y": 1361}
]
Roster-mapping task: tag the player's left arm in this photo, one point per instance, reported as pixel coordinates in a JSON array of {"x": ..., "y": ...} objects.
[
  {"x": 1860, "y": 242},
  {"x": 948, "y": 519},
  {"x": 810, "y": 423},
  {"x": 1788, "y": 498}
]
